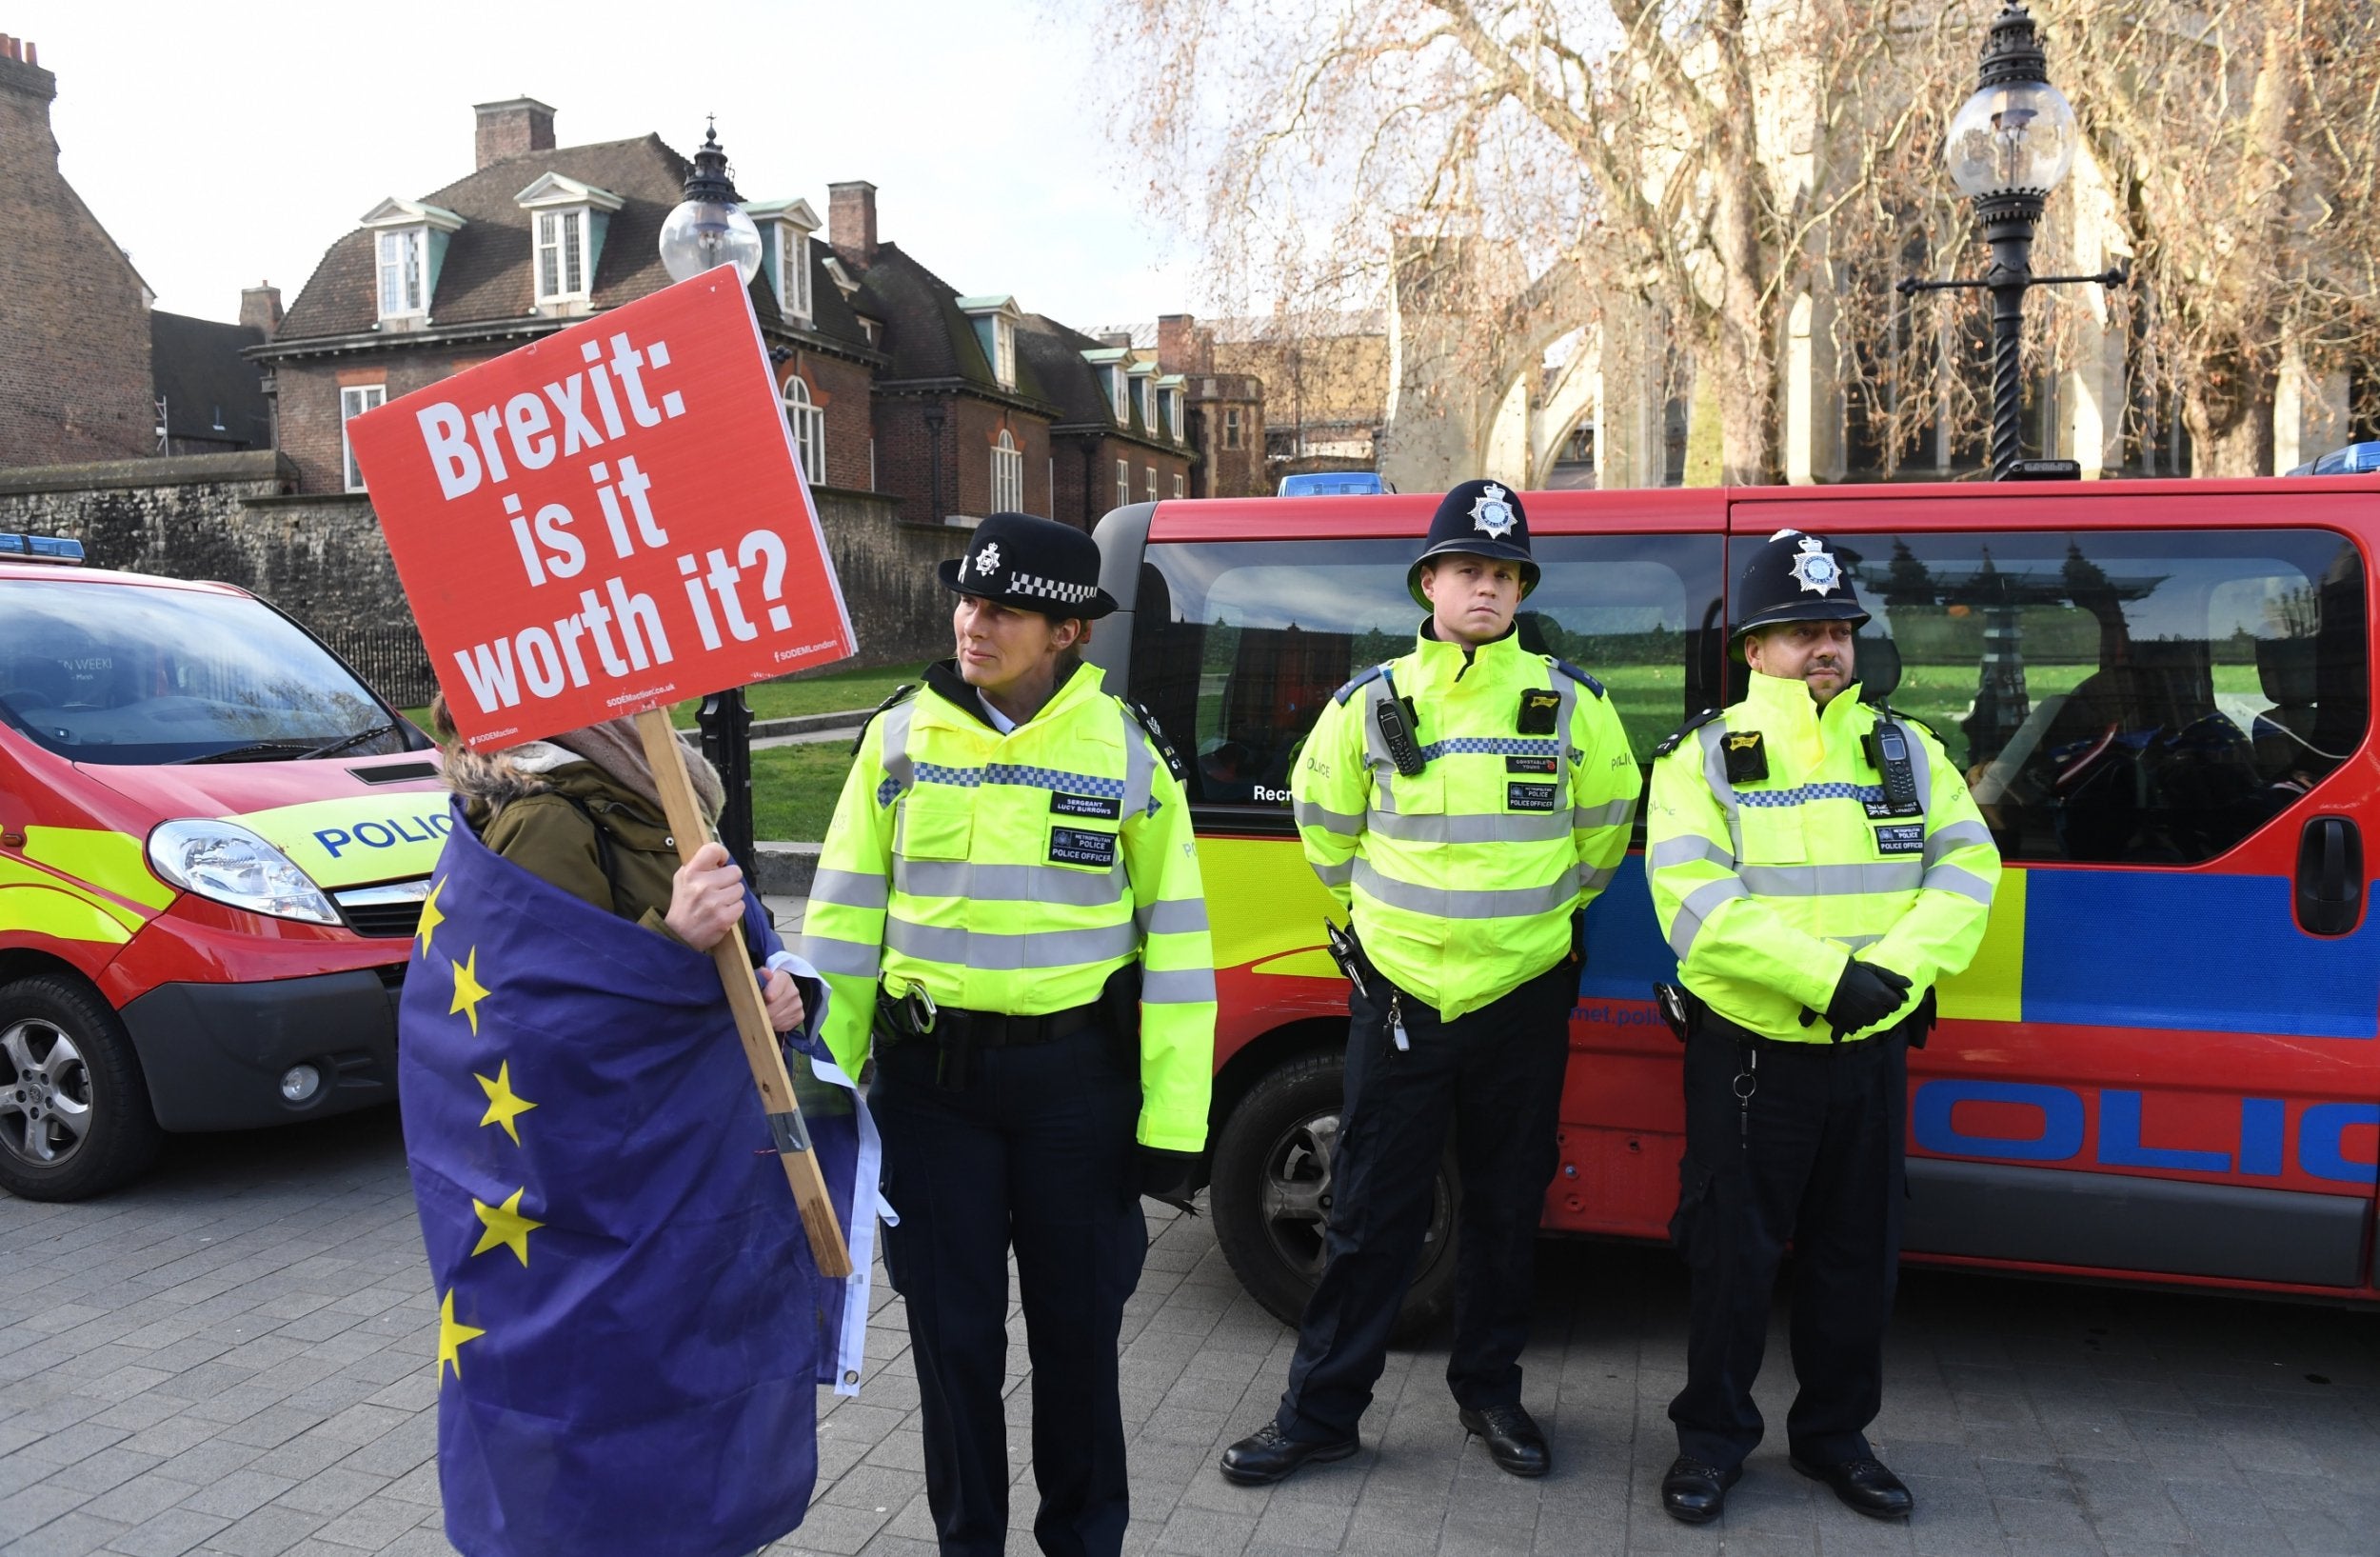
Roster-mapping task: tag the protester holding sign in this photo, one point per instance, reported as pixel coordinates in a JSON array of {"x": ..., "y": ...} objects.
[
  {"x": 1009, "y": 904},
  {"x": 636, "y": 1228}
]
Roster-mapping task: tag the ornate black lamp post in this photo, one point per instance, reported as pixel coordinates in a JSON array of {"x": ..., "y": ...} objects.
[
  {"x": 2008, "y": 148},
  {"x": 707, "y": 229}
]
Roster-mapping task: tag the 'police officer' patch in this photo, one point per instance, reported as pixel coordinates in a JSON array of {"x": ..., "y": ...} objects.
[
  {"x": 1906, "y": 838},
  {"x": 1532, "y": 797},
  {"x": 1105, "y": 808},
  {"x": 1079, "y": 846}
]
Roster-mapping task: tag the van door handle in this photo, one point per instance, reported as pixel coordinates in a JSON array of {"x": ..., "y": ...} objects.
[{"x": 2330, "y": 876}]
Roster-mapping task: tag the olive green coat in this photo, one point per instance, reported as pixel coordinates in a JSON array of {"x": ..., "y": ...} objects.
[{"x": 528, "y": 816}]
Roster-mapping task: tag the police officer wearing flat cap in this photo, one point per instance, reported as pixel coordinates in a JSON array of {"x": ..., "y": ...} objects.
[
  {"x": 1465, "y": 803},
  {"x": 1009, "y": 911},
  {"x": 1817, "y": 865}
]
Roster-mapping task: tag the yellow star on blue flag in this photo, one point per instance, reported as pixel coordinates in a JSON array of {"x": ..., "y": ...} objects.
[
  {"x": 504, "y": 1104},
  {"x": 507, "y": 1227},
  {"x": 468, "y": 992},
  {"x": 452, "y": 1333}
]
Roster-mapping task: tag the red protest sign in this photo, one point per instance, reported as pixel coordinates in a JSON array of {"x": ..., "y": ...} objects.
[{"x": 608, "y": 520}]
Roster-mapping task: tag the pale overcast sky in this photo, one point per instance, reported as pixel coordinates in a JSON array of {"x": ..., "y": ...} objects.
[{"x": 226, "y": 143}]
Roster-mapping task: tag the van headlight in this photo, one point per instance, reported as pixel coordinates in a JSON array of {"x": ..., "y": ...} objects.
[{"x": 227, "y": 862}]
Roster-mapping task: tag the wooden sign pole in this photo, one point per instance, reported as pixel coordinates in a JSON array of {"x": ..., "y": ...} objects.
[{"x": 743, "y": 996}]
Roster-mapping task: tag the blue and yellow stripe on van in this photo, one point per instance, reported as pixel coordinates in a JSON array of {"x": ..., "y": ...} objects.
[{"x": 2179, "y": 950}]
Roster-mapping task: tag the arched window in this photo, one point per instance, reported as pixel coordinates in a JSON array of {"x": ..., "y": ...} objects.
[
  {"x": 809, "y": 429},
  {"x": 1007, "y": 475}
]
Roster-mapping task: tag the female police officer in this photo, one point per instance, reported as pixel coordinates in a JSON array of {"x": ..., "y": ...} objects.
[{"x": 1010, "y": 889}]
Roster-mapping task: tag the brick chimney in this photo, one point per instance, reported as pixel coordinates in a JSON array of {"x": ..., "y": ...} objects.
[
  {"x": 513, "y": 128},
  {"x": 260, "y": 308},
  {"x": 21, "y": 75},
  {"x": 851, "y": 219},
  {"x": 1182, "y": 347}
]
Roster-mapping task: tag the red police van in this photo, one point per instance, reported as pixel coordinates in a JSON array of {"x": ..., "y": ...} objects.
[
  {"x": 2165, "y": 1062},
  {"x": 216, "y": 842}
]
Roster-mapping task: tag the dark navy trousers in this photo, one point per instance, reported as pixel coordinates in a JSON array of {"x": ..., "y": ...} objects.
[
  {"x": 1037, "y": 1152},
  {"x": 1494, "y": 1077},
  {"x": 1816, "y": 1159}
]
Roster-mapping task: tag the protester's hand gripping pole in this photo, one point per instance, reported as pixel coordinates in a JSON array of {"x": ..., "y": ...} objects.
[{"x": 743, "y": 996}]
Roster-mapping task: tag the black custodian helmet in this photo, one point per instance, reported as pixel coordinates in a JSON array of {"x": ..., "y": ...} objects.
[
  {"x": 1479, "y": 519},
  {"x": 1793, "y": 578}
]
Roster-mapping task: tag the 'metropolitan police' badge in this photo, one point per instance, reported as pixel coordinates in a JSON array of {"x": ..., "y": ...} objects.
[
  {"x": 1815, "y": 570},
  {"x": 1491, "y": 514}
]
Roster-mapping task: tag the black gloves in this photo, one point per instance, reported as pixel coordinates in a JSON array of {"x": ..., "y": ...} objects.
[
  {"x": 1166, "y": 1176},
  {"x": 1865, "y": 995}
]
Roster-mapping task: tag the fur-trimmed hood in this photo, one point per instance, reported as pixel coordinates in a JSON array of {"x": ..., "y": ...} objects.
[{"x": 494, "y": 779}]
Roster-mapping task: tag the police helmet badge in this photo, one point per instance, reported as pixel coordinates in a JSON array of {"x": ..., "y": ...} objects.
[
  {"x": 986, "y": 561},
  {"x": 1492, "y": 515},
  {"x": 1815, "y": 570}
]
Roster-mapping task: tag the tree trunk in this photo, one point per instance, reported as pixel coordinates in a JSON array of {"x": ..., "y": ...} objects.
[{"x": 2233, "y": 439}]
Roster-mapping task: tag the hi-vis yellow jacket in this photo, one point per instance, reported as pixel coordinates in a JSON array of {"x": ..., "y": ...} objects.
[
  {"x": 1766, "y": 887},
  {"x": 1462, "y": 879},
  {"x": 1014, "y": 873}
]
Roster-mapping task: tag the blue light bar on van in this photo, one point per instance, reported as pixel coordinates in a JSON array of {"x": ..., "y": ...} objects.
[
  {"x": 2355, "y": 460},
  {"x": 16, "y": 548}
]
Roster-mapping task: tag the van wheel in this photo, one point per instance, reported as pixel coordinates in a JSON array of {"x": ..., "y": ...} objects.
[
  {"x": 1271, "y": 1196},
  {"x": 74, "y": 1114}
]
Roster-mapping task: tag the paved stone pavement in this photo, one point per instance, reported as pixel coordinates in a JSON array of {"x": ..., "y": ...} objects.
[{"x": 234, "y": 1357}]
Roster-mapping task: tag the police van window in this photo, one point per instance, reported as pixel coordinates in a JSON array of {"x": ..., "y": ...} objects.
[
  {"x": 2145, "y": 697},
  {"x": 115, "y": 674},
  {"x": 1238, "y": 645}
]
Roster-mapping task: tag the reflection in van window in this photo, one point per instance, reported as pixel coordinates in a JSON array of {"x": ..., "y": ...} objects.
[
  {"x": 1238, "y": 645},
  {"x": 103, "y": 674},
  {"x": 2142, "y": 696}
]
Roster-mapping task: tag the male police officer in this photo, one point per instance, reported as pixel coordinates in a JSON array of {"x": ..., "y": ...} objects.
[
  {"x": 1467, "y": 802},
  {"x": 1817, "y": 866},
  {"x": 1008, "y": 900}
]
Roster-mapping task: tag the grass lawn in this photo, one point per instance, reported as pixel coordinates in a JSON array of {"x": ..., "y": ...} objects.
[
  {"x": 828, "y": 693},
  {"x": 794, "y": 788}
]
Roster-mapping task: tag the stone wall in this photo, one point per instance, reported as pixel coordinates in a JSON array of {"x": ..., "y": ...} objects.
[{"x": 320, "y": 558}]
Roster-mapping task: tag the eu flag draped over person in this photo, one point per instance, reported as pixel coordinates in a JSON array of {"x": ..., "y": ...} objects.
[{"x": 630, "y": 1328}]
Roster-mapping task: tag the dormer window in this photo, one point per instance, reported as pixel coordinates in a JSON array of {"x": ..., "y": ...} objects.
[
  {"x": 1140, "y": 407},
  {"x": 568, "y": 220},
  {"x": 785, "y": 227},
  {"x": 995, "y": 320},
  {"x": 1169, "y": 397},
  {"x": 409, "y": 243},
  {"x": 1108, "y": 362}
]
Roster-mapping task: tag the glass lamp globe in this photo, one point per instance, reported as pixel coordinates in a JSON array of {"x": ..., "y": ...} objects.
[
  {"x": 2018, "y": 135},
  {"x": 701, "y": 235}
]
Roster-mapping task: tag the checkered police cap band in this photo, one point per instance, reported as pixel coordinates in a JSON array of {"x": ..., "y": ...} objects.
[{"x": 1035, "y": 586}]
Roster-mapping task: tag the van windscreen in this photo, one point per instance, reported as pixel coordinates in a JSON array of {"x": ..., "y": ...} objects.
[
  {"x": 1236, "y": 645},
  {"x": 130, "y": 675}
]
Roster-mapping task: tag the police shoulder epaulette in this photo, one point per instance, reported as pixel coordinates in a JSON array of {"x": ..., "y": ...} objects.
[
  {"x": 901, "y": 693},
  {"x": 1671, "y": 742},
  {"x": 1576, "y": 674},
  {"x": 1886, "y": 710},
  {"x": 1349, "y": 691},
  {"x": 1156, "y": 733}
]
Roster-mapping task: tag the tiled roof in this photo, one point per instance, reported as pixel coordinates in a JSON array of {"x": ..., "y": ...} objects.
[
  {"x": 210, "y": 392},
  {"x": 1056, "y": 354},
  {"x": 486, "y": 275},
  {"x": 926, "y": 335}
]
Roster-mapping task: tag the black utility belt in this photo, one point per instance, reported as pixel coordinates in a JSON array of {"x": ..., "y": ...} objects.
[
  {"x": 1914, "y": 1026},
  {"x": 1001, "y": 1029}
]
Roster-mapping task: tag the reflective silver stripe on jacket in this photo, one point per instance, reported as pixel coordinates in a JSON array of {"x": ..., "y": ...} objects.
[
  {"x": 1492, "y": 827},
  {"x": 1831, "y": 880},
  {"x": 1618, "y": 813},
  {"x": 1182, "y": 986},
  {"x": 1953, "y": 836},
  {"x": 991, "y": 953},
  {"x": 848, "y": 888},
  {"x": 1336, "y": 875},
  {"x": 1685, "y": 850},
  {"x": 1456, "y": 902},
  {"x": 1714, "y": 774},
  {"x": 1054, "y": 883},
  {"x": 859, "y": 959},
  {"x": 1309, "y": 814},
  {"x": 1697, "y": 907},
  {"x": 1171, "y": 916},
  {"x": 1952, "y": 878},
  {"x": 898, "y": 771}
]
